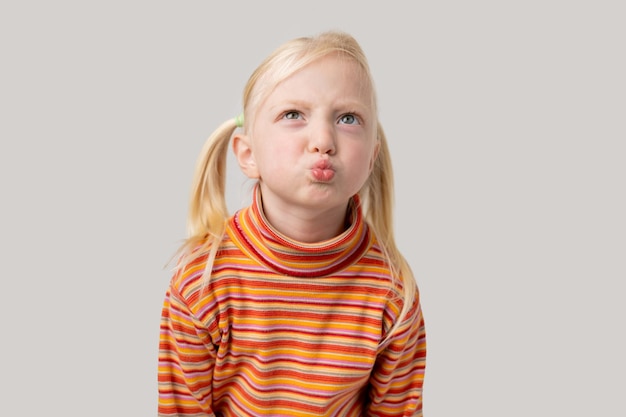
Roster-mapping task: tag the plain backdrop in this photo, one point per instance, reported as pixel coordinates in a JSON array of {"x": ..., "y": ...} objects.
[{"x": 506, "y": 121}]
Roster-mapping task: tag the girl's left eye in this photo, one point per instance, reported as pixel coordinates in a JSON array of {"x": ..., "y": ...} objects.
[
  {"x": 292, "y": 115},
  {"x": 349, "y": 119}
]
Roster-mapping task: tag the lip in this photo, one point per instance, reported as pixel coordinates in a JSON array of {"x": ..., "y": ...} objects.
[{"x": 323, "y": 171}]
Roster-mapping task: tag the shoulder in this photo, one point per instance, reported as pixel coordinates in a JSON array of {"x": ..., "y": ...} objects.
[{"x": 193, "y": 267}]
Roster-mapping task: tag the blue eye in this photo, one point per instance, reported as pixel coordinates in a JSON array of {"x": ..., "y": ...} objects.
[
  {"x": 349, "y": 119},
  {"x": 292, "y": 115}
]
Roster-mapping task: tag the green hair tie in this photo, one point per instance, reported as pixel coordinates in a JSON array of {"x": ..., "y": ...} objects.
[{"x": 239, "y": 120}]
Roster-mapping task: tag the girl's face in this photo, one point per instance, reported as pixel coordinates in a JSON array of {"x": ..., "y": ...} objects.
[{"x": 313, "y": 143}]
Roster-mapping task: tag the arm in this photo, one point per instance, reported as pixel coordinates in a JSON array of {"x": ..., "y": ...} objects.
[
  {"x": 186, "y": 361},
  {"x": 398, "y": 376}
]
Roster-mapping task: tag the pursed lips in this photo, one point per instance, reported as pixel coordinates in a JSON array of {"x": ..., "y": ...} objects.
[{"x": 323, "y": 171}]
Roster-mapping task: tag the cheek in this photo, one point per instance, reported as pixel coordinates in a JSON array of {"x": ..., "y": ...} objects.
[
  {"x": 279, "y": 150},
  {"x": 274, "y": 157}
]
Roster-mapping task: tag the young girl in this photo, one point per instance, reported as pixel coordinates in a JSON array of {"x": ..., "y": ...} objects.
[{"x": 300, "y": 304}]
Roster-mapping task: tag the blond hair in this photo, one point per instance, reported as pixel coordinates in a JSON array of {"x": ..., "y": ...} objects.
[{"x": 207, "y": 206}]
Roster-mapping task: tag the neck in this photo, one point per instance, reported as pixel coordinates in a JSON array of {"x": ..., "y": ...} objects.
[{"x": 305, "y": 225}]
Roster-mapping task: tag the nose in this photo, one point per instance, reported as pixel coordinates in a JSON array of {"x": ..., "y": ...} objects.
[{"x": 322, "y": 138}]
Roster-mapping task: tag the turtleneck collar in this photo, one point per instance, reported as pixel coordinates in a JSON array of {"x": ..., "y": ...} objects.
[{"x": 255, "y": 236}]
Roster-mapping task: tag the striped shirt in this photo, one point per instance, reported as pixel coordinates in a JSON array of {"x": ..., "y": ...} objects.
[{"x": 285, "y": 328}]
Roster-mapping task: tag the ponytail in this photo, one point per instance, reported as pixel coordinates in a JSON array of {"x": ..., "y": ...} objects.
[
  {"x": 378, "y": 199},
  {"x": 208, "y": 213}
]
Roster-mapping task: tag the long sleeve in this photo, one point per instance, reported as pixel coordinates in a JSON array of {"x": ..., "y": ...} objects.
[
  {"x": 397, "y": 380},
  {"x": 186, "y": 362}
]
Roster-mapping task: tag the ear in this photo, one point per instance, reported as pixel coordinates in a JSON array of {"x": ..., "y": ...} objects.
[
  {"x": 244, "y": 155},
  {"x": 374, "y": 155}
]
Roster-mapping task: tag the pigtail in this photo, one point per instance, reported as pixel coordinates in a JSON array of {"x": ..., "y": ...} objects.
[
  {"x": 380, "y": 192},
  {"x": 208, "y": 213},
  {"x": 378, "y": 197},
  {"x": 207, "y": 203}
]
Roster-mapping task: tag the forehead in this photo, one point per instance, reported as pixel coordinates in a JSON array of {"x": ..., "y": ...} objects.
[{"x": 330, "y": 75}]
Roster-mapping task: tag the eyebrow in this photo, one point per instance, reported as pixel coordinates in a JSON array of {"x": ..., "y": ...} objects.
[{"x": 350, "y": 104}]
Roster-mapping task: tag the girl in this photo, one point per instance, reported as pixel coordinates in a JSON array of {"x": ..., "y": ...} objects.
[{"x": 300, "y": 304}]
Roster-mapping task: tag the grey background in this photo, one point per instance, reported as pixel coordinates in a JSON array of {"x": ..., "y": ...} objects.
[{"x": 507, "y": 128}]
